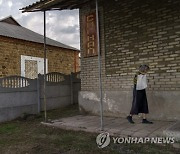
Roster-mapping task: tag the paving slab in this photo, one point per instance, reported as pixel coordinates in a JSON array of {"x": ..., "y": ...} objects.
[
  {"x": 115, "y": 126},
  {"x": 173, "y": 130}
]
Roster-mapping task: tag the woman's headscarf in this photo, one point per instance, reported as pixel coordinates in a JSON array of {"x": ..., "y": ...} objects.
[{"x": 143, "y": 68}]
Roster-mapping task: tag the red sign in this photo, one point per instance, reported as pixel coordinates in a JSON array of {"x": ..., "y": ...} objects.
[{"x": 90, "y": 35}]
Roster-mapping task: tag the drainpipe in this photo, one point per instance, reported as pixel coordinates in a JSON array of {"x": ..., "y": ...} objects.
[
  {"x": 99, "y": 63},
  {"x": 45, "y": 54}
]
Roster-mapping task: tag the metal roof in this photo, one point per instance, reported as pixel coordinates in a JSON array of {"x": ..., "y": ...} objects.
[
  {"x": 43, "y": 5},
  {"x": 19, "y": 32},
  {"x": 10, "y": 20}
]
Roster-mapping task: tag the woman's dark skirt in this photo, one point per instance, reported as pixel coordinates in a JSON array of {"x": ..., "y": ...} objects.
[{"x": 139, "y": 104}]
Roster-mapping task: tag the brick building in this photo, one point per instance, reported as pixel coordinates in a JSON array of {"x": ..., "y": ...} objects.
[
  {"x": 132, "y": 32},
  {"x": 21, "y": 52}
]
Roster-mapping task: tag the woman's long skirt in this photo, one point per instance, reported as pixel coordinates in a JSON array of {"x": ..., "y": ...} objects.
[{"x": 139, "y": 104}]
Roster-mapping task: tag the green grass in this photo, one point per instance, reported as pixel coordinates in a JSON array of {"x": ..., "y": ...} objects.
[
  {"x": 8, "y": 128},
  {"x": 29, "y": 136}
]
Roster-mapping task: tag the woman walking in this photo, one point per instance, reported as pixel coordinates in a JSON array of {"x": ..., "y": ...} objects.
[{"x": 140, "y": 104}]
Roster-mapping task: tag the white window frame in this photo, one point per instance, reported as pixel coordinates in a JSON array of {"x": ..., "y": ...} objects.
[{"x": 40, "y": 64}]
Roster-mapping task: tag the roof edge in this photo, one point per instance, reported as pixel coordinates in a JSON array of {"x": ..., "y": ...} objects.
[
  {"x": 10, "y": 17},
  {"x": 74, "y": 49}
]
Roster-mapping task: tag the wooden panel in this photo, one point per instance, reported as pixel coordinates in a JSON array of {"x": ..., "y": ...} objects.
[{"x": 90, "y": 35}]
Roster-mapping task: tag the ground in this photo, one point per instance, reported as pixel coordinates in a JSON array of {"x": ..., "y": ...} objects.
[{"x": 28, "y": 135}]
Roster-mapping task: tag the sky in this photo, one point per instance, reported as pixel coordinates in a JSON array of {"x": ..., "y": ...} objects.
[{"x": 62, "y": 26}]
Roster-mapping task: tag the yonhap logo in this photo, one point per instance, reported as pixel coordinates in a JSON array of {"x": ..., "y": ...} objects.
[{"x": 103, "y": 140}]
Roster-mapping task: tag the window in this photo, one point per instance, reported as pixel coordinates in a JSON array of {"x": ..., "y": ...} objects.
[{"x": 32, "y": 66}]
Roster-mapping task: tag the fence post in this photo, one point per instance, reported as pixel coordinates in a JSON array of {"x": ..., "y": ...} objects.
[
  {"x": 38, "y": 93},
  {"x": 71, "y": 81}
]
